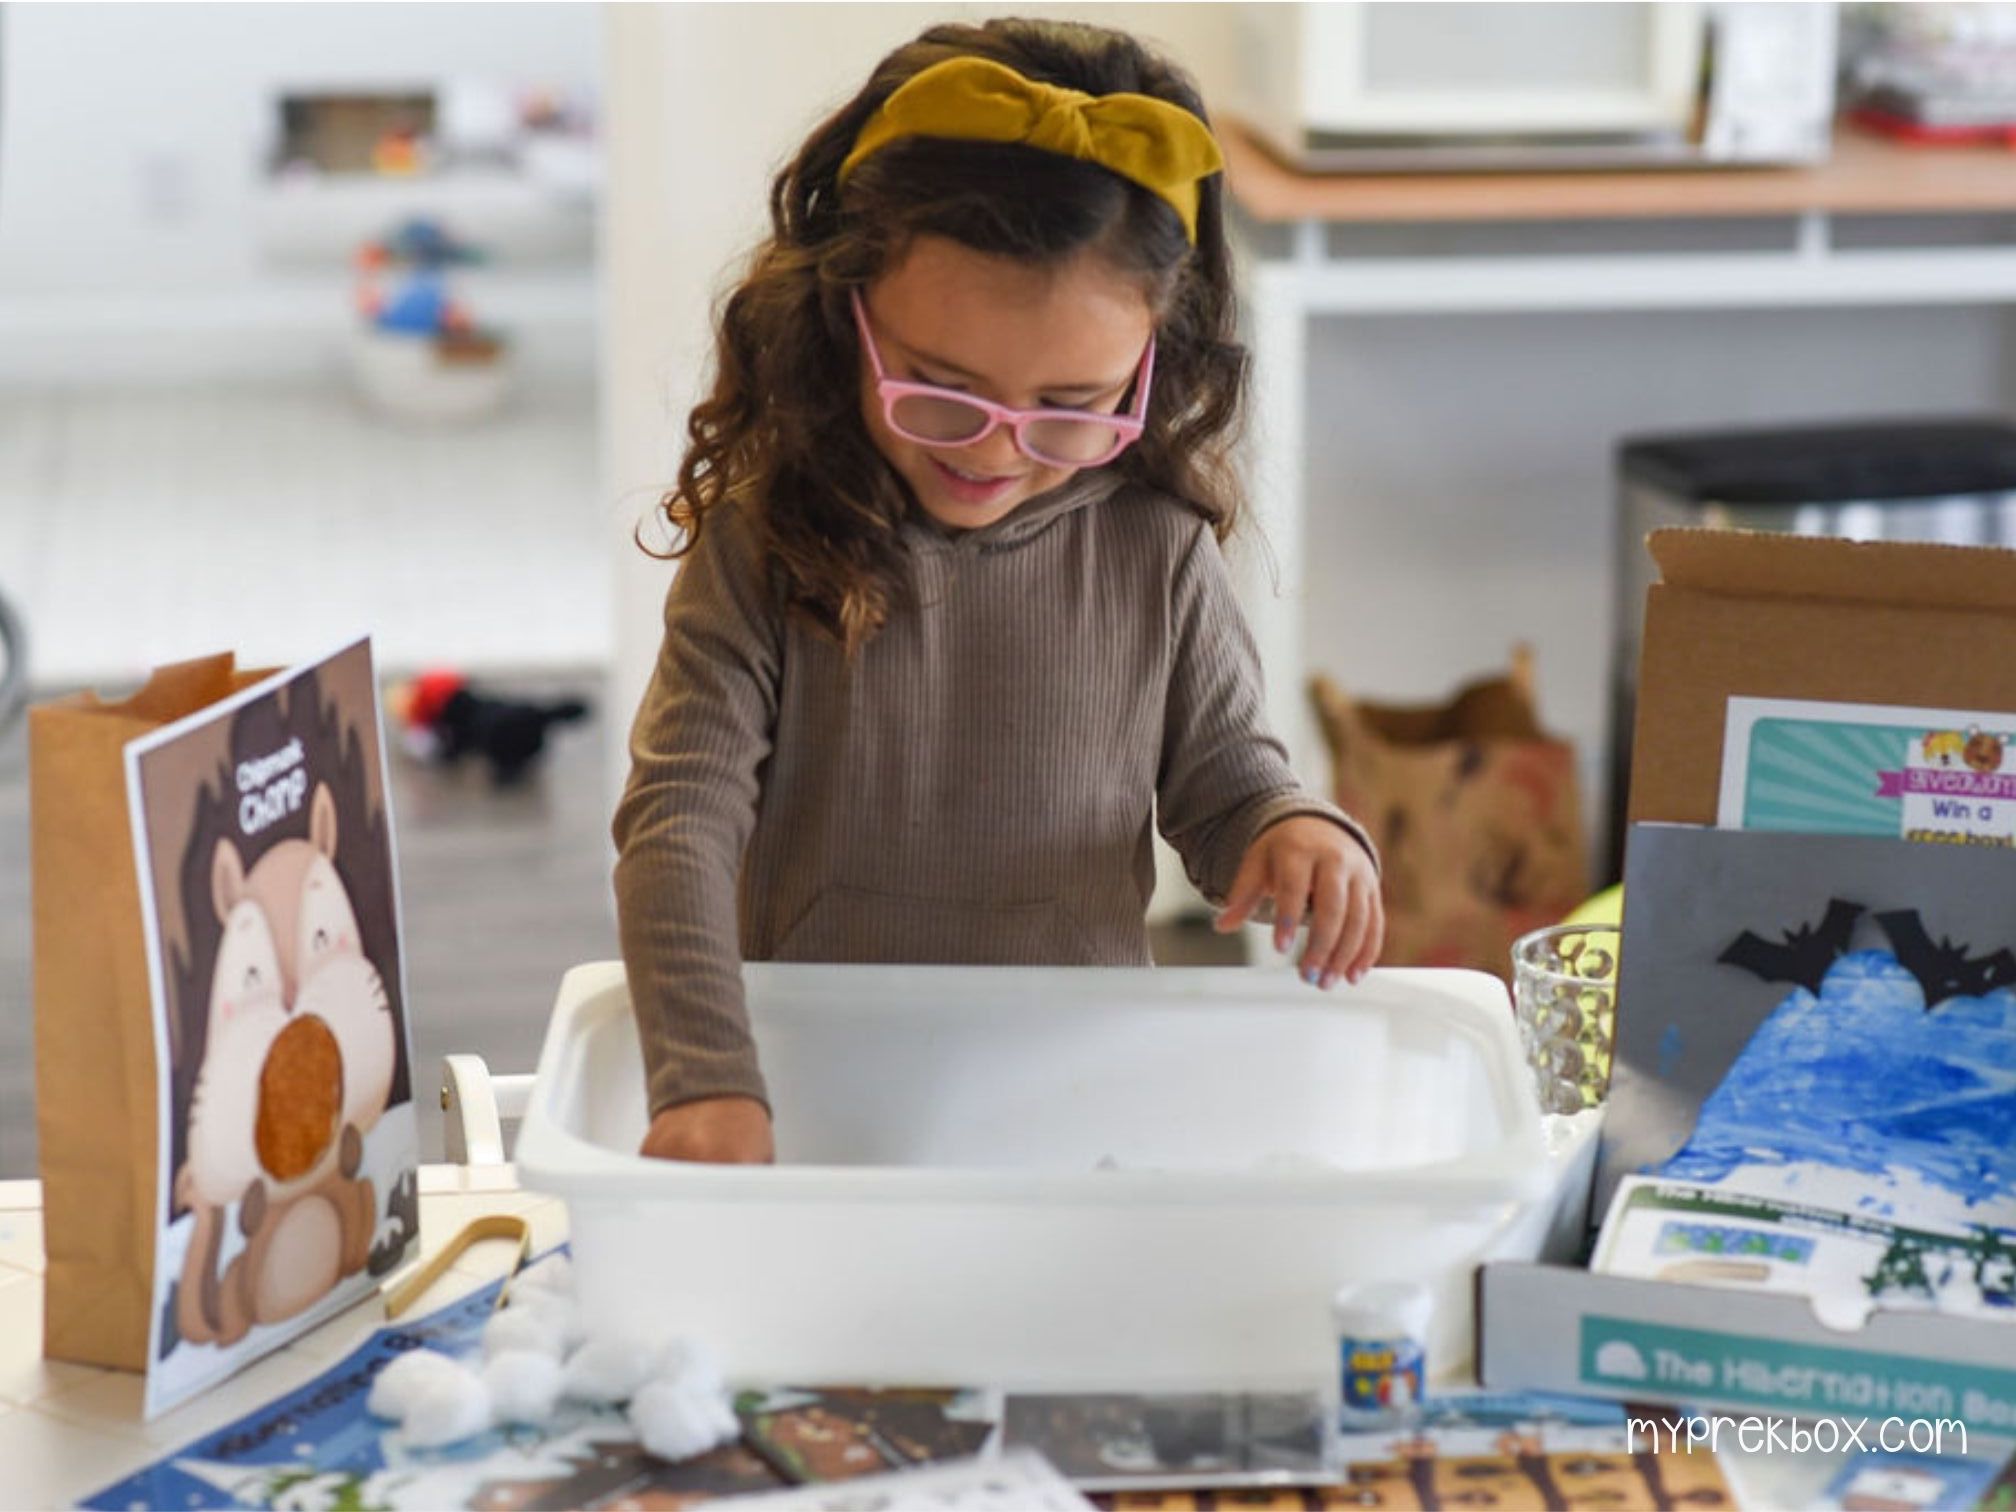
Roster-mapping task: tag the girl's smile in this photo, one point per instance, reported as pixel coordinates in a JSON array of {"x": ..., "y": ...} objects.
[
  {"x": 974, "y": 489},
  {"x": 1068, "y": 336}
]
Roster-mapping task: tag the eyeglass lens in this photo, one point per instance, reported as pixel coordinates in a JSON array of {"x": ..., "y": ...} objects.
[{"x": 931, "y": 418}]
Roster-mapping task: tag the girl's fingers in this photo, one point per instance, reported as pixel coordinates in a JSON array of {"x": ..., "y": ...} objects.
[
  {"x": 1291, "y": 899},
  {"x": 1248, "y": 888},
  {"x": 1344, "y": 964},
  {"x": 1375, "y": 933},
  {"x": 1326, "y": 924}
]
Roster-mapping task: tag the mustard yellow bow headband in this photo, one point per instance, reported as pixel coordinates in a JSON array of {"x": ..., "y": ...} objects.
[{"x": 1160, "y": 146}]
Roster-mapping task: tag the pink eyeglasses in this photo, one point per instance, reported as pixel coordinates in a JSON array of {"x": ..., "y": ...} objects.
[{"x": 935, "y": 416}]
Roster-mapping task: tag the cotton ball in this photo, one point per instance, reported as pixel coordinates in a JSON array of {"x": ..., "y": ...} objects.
[
  {"x": 523, "y": 1328},
  {"x": 610, "y": 1369},
  {"x": 689, "y": 1363},
  {"x": 553, "y": 1274},
  {"x": 447, "y": 1410},
  {"x": 557, "y": 1308},
  {"x": 678, "y": 1422},
  {"x": 524, "y": 1386},
  {"x": 402, "y": 1381}
]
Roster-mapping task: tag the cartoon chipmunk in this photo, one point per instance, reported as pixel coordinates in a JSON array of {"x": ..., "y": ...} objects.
[
  {"x": 296, "y": 1069},
  {"x": 1943, "y": 747}
]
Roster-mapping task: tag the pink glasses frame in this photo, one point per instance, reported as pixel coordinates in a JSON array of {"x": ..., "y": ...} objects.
[{"x": 892, "y": 390}]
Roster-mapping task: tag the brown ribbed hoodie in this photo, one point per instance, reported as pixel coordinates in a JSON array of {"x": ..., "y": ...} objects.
[{"x": 978, "y": 786}]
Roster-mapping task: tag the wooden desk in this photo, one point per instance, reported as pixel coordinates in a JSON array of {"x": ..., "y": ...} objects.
[{"x": 1867, "y": 175}]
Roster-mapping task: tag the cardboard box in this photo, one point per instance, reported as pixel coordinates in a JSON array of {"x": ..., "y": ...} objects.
[
  {"x": 1779, "y": 616},
  {"x": 1556, "y": 1328},
  {"x": 1793, "y": 617}
]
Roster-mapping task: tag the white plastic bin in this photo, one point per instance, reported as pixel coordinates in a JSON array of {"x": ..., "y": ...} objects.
[{"x": 1054, "y": 1178}]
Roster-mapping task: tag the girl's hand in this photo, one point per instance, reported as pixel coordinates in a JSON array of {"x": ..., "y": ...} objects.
[
  {"x": 718, "y": 1130},
  {"x": 1313, "y": 870}
]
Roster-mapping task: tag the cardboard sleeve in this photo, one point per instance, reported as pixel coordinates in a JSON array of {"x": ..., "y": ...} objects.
[{"x": 95, "y": 1074}]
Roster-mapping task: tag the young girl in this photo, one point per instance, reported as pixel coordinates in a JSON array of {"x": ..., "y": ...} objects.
[{"x": 952, "y": 629}]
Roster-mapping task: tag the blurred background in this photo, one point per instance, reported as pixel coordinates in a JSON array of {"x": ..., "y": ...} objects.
[{"x": 319, "y": 319}]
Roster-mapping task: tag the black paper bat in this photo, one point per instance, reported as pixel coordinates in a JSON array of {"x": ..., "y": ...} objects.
[
  {"x": 1944, "y": 970},
  {"x": 1805, "y": 953}
]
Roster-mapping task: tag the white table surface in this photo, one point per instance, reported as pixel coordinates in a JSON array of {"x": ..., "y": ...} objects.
[{"x": 67, "y": 1431}]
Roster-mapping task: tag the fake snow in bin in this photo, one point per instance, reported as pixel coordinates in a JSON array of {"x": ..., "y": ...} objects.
[{"x": 1055, "y": 1178}]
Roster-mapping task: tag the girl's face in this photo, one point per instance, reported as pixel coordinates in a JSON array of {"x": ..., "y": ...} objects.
[{"x": 1068, "y": 336}]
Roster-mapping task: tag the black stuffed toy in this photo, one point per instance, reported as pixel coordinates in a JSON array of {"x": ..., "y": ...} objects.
[{"x": 447, "y": 718}]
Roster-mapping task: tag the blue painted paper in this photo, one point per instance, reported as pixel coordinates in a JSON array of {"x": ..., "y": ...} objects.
[{"x": 1863, "y": 1077}]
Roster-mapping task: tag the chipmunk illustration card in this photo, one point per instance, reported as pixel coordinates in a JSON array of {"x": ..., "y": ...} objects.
[{"x": 288, "y": 1139}]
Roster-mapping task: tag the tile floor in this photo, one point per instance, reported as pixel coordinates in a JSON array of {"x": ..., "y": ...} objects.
[
  {"x": 139, "y": 527},
  {"x": 280, "y": 521},
  {"x": 502, "y": 891}
]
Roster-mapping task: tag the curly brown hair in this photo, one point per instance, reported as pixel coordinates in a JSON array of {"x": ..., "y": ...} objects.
[{"x": 781, "y": 427}]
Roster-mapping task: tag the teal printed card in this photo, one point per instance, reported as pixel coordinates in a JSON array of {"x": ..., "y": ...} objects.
[{"x": 1865, "y": 769}]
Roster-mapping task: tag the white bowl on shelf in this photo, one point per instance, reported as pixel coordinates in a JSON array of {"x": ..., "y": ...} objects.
[{"x": 415, "y": 378}]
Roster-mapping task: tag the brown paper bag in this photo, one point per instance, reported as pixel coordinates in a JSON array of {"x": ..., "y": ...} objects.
[
  {"x": 1476, "y": 811},
  {"x": 95, "y": 1073}
]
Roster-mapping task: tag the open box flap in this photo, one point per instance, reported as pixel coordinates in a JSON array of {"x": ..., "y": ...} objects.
[{"x": 1773, "y": 565}]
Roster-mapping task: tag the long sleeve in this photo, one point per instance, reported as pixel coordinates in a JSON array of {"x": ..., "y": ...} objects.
[
  {"x": 701, "y": 735},
  {"x": 1224, "y": 777}
]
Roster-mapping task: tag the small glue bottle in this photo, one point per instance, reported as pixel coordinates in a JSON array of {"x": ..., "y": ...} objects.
[{"x": 1382, "y": 1352}]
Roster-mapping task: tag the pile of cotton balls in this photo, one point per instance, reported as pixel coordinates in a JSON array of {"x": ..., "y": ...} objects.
[{"x": 535, "y": 1353}]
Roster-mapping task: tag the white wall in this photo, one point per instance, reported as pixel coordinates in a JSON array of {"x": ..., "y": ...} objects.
[{"x": 131, "y": 142}]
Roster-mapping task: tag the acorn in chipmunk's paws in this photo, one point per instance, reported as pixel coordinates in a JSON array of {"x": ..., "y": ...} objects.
[{"x": 443, "y": 717}]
